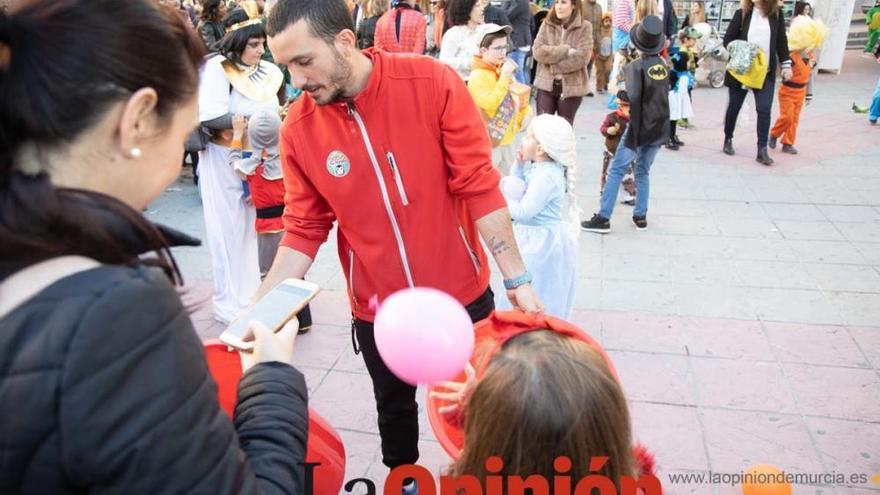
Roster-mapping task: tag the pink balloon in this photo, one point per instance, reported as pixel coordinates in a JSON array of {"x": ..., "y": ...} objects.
[
  {"x": 424, "y": 335},
  {"x": 513, "y": 187}
]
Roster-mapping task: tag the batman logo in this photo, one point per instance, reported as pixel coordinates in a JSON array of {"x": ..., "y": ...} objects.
[{"x": 658, "y": 72}]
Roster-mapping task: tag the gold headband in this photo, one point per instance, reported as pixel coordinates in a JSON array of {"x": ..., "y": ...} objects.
[{"x": 242, "y": 24}]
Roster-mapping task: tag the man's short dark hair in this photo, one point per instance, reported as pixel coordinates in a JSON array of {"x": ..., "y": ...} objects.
[{"x": 325, "y": 18}]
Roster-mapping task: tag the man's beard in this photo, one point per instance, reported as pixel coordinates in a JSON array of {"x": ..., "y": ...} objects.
[{"x": 338, "y": 80}]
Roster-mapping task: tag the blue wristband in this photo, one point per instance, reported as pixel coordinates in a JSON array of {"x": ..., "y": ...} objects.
[{"x": 513, "y": 283}]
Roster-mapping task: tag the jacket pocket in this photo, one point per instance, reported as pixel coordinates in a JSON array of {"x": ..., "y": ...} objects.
[
  {"x": 470, "y": 252},
  {"x": 397, "y": 180}
]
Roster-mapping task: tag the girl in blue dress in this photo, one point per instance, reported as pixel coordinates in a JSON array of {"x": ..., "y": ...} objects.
[{"x": 540, "y": 196}]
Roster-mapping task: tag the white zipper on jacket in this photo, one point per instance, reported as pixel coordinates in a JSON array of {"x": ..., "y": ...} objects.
[
  {"x": 352, "y": 112},
  {"x": 397, "y": 179},
  {"x": 351, "y": 275}
]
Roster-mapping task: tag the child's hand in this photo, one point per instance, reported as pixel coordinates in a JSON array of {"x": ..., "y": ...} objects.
[
  {"x": 612, "y": 131},
  {"x": 239, "y": 125},
  {"x": 461, "y": 392}
]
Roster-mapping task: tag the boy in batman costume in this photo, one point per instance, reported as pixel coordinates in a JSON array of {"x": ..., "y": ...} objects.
[{"x": 647, "y": 86}]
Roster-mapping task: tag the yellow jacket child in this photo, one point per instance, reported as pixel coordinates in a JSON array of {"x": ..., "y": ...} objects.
[{"x": 503, "y": 102}]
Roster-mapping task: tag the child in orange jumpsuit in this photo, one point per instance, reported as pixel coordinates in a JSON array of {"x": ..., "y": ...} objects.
[{"x": 806, "y": 35}]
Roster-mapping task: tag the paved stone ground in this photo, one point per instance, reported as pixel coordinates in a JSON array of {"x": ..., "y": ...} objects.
[{"x": 745, "y": 323}]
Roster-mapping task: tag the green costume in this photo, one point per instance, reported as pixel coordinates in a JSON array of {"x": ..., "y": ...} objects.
[{"x": 872, "y": 19}]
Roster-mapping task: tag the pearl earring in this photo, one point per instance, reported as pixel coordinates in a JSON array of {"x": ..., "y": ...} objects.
[{"x": 135, "y": 152}]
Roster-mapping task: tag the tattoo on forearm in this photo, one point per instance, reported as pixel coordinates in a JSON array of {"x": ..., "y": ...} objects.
[{"x": 498, "y": 246}]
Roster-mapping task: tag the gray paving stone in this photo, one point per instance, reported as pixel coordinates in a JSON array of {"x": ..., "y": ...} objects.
[{"x": 819, "y": 231}]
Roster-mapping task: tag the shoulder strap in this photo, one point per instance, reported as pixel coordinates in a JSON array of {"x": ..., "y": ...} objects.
[{"x": 22, "y": 285}]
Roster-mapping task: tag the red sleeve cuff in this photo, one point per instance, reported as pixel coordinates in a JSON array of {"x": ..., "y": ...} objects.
[
  {"x": 308, "y": 247},
  {"x": 484, "y": 203}
]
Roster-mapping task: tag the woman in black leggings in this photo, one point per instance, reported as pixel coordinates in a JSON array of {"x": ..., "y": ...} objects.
[{"x": 759, "y": 22}]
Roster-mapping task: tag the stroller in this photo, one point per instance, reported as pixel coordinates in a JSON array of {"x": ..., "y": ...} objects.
[{"x": 713, "y": 57}]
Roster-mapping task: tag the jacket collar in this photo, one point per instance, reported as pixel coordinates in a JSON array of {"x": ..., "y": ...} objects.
[
  {"x": 479, "y": 63},
  {"x": 371, "y": 91}
]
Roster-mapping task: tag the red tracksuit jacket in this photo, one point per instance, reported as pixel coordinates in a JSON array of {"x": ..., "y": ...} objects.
[{"x": 405, "y": 169}]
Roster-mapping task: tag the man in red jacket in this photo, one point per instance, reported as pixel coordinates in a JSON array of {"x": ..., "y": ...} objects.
[{"x": 393, "y": 149}]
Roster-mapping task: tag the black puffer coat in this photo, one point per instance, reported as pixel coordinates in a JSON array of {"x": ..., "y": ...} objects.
[{"x": 104, "y": 389}]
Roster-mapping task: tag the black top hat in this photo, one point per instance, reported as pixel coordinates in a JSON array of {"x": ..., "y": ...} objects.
[{"x": 648, "y": 36}]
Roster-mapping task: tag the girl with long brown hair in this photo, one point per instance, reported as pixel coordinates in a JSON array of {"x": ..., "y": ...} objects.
[{"x": 544, "y": 391}]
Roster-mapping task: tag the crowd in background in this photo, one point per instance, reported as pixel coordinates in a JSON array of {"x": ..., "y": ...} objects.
[{"x": 91, "y": 311}]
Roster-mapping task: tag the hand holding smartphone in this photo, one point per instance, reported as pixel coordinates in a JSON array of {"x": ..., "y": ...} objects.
[
  {"x": 273, "y": 311},
  {"x": 269, "y": 346}
]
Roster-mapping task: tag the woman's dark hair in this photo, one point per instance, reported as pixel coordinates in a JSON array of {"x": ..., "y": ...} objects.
[
  {"x": 211, "y": 10},
  {"x": 799, "y": 8},
  {"x": 235, "y": 16},
  {"x": 770, "y": 7},
  {"x": 576, "y": 11},
  {"x": 234, "y": 42},
  {"x": 459, "y": 11},
  {"x": 100, "y": 52}
]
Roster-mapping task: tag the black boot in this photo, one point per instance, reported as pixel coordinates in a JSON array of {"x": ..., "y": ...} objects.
[
  {"x": 728, "y": 147},
  {"x": 791, "y": 150},
  {"x": 763, "y": 157},
  {"x": 671, "y": 144},
  {"x": 677, "y": 140},
  {"x": 772, "y": 142}
]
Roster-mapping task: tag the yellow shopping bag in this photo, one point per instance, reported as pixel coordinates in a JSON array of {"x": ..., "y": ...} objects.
[{"x": 754, "y": 77}]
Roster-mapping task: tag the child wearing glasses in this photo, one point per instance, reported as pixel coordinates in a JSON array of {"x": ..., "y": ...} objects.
[{"x": 502, "y": 101}]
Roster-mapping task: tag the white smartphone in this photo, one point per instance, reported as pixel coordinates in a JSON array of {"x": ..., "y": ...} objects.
[{"x": 276, "y": 308}]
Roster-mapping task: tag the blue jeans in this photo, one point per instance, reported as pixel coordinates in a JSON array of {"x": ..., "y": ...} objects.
[
  {"x": 644, "y": 157},
  {"x": 874, "y": 114},
  {"x": 519, "y": 57}
]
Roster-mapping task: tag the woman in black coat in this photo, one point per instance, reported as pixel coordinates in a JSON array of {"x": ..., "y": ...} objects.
[
  {"x": 759, "y": 22},
  {"x": 103, "y": 382},
  {"x": 211, "y": 26}
]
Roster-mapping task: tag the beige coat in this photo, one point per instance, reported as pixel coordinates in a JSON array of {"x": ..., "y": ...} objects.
[{"x": 551, "y": 51}]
